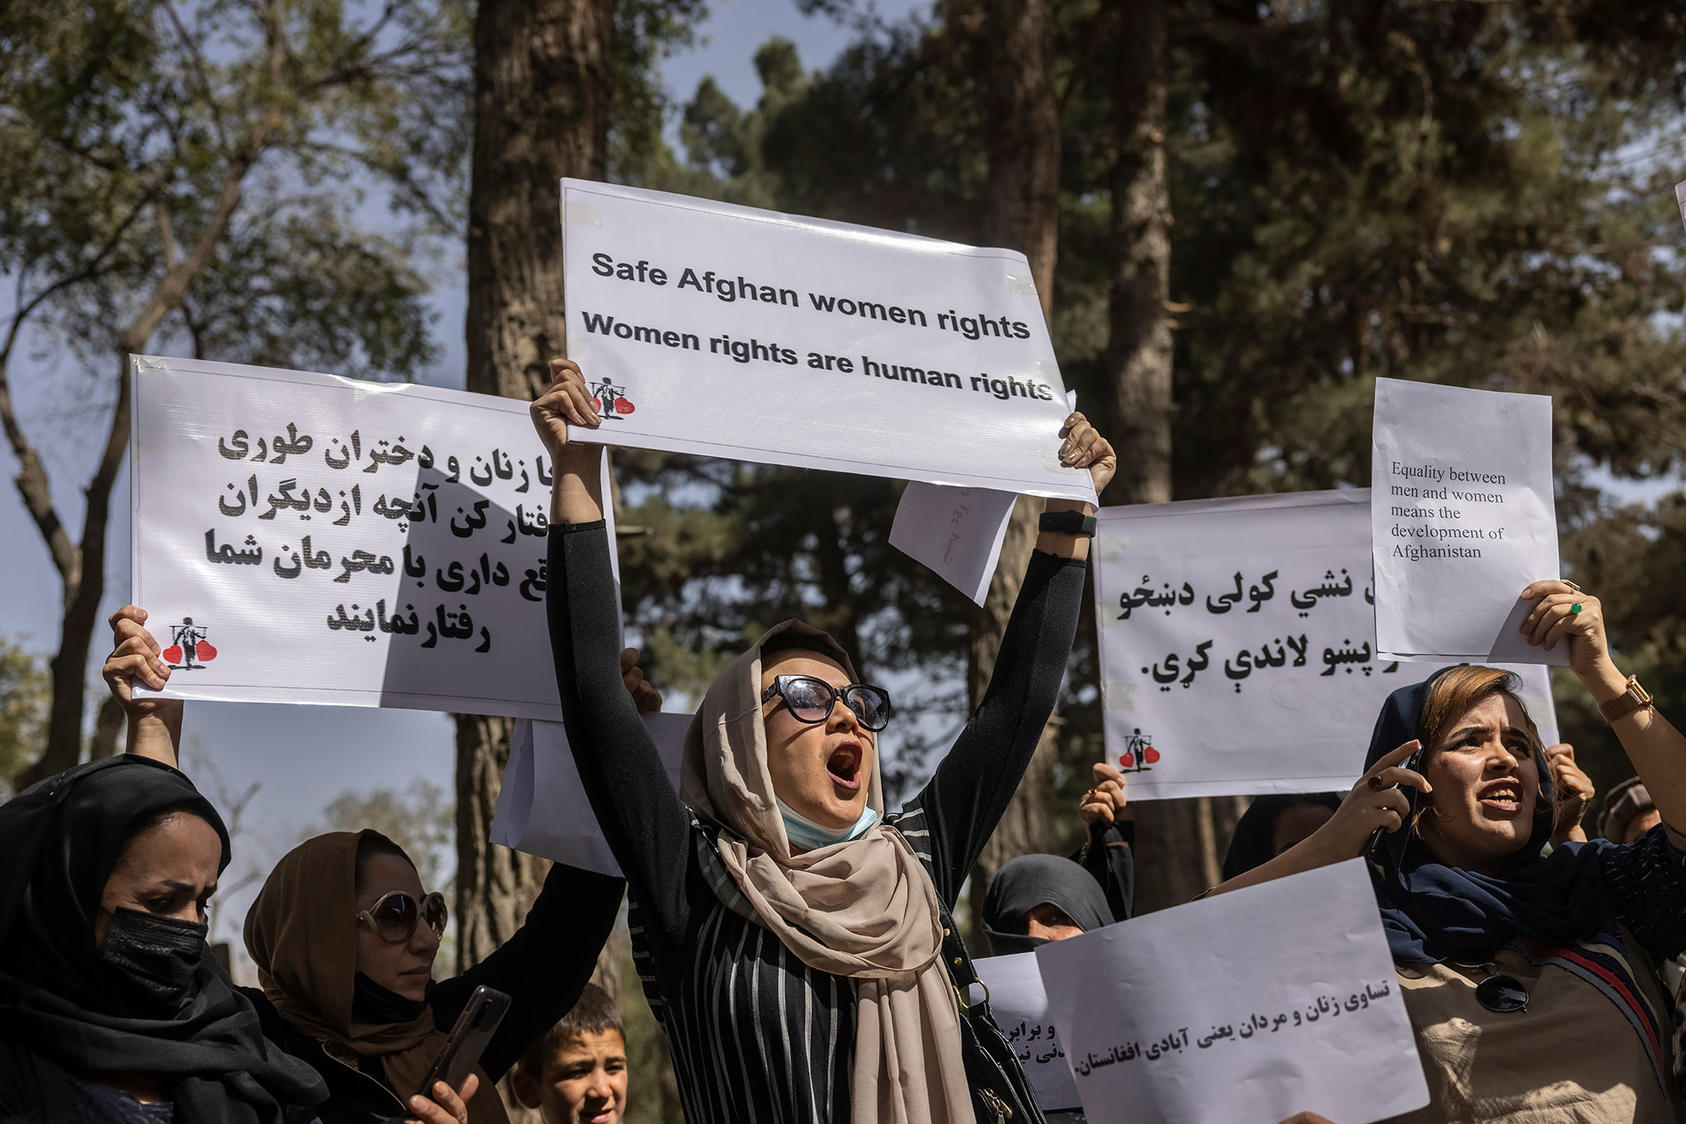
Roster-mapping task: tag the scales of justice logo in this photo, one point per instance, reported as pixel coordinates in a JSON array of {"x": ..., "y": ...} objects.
[
  {"x": 1139, "y": 754},
  {"x": 610, "y": 401},
  {"x": 189, "y": 649}
]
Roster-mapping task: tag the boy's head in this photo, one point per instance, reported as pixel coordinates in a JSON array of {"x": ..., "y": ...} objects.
[{"x": 577, "y": 1074}]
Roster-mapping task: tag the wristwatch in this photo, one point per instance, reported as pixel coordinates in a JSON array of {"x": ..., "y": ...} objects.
[
  {"x": 1066, "y": 522},
  {"x": 1630, "y": 701}
]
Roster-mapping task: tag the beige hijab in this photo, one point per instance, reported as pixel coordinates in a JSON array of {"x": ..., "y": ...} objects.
[
  {"x": 863, "y": 908},
  {"x": 302, "y": 934}
]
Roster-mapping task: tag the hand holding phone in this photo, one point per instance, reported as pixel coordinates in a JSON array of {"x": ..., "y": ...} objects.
[
  {"x": 468, "y": 1039},
  {"x": 444, "y": 1105}
]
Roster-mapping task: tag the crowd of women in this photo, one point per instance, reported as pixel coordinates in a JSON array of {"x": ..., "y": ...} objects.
[{"x": 794, "y": 937}]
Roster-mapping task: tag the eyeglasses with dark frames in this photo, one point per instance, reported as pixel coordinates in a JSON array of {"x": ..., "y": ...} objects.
[
  {"x": 394, "y": 916},
  {"x": 811, "y": 699}
]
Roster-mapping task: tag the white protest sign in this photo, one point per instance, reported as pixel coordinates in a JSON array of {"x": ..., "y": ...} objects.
[
  {"x": 1463, "y": 517},
  {"x": 1247, "y": 1007},
  {"x": 734, "y": 332},
  {"x": 542, "y": 808},
  {"x": 1237, "y": 645},
  {"x": 956, "y": 532},
  {"x": 1680, "y": 198},
  {"x": 1020, "y": 1007},
  {"x": 306, "y": 538}
]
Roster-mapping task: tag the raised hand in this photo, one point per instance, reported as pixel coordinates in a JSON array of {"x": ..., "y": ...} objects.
[
  {"x": 1376, "y": 801},
  {"x": 1083, "y": 447},
  {"x": 567, "y": 402},
  {"x": 645, "y": 697},
  {"x": 1574, "y": 793},
  {"x": 1105, "y": 803}
]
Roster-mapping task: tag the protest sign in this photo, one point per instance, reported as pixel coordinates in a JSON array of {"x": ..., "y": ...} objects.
[
  {"x": 1237, "y": 649},
  {"x": 729, "y": 331},
  {"x": 956, "y": 532},
  {"x": 1247, "y": 1007},
  {"x": 311, "y": 539},
  {"x": 1680, "y": 199},
  {"x": 1013, "y": 985},
  {"x": 542, "y": 808},
  {"x": 1462, "y": 518}
]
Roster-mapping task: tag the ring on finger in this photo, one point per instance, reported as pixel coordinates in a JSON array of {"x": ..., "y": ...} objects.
[
  {"x": 1575, "y": 609},
  {"x": 1376, "y": 784},
  {"x": 1572, "y": 585}
]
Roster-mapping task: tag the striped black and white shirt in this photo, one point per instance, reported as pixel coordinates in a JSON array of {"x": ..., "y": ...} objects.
[{"x": 757, "y": 1036}]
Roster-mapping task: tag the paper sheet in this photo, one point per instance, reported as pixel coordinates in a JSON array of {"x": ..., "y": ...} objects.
[
  {"x": 1020, "y": 1006},
  {"x": 1244, "y": 1008},
  {"x": 1463, "y": 517},
  {"x": 542, "y": 808},
  {"x": 305, "y": 538},
  {"x": 1237, "y": 645},
  {"x": 729, "y": 331},
  {"x": 956, "y": 532}
]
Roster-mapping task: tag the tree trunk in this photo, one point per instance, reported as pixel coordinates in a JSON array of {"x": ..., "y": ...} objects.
[
  {"x": 1178, "y": 841},
  {"x": 543, "y": 71},
  {"x": 1015, "y": 39}
]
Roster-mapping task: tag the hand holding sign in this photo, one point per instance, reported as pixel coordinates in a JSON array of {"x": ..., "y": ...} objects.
[
  {"x": 1083, "y": 447},
  {"x": 1562, "y": 612},
  {"x": 577, "y": 495}
]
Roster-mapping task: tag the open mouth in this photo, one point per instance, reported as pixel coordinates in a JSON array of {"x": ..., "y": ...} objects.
[
  {"x": 1502, "y": 797},
  {"x": 844, "y": 765}
]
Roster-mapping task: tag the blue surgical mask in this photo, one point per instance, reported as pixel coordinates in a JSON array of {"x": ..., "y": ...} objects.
[{"x": 806, "y": 835}]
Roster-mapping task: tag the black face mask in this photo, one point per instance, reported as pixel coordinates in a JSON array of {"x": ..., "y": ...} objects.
[
  {"x": 153, "y": 961},
  {"x": 375, "y": 1005}
]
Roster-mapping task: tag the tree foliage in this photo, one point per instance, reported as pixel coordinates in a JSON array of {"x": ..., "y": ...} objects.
[
  {"x": 25, "y": 691},
  {"x": 1464, "y": 193},
  {"x": 198, "y": 176},
  {"x": 419, "y": 817}
]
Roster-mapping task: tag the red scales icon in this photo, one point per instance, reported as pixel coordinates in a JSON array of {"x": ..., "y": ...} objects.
[
  {"x": 188, "y": 647},
  {"x": 610, "y": 401},
  {"x": 1138, "y": 754}
]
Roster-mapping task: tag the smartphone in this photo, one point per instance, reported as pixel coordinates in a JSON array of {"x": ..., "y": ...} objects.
[
  {"x": 1412, "y": 763},
  {"x": 468, "y": 1039}
]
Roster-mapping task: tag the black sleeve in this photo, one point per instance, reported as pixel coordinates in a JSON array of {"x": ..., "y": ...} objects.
[
  {"x": 542, "y": 967},
  {"x": 976, "y": 780},
  {"x": 1108, "y": 857},
  {"x": 648, "y": 830},
  {"x": 1646, "y": 881}
]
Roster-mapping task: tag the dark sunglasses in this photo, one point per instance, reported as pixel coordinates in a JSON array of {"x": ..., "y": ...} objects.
[
  {"x": 394, "y": 916},
  {"x": 810, "y": 699},
  {"x": 1502, "y": 994}
]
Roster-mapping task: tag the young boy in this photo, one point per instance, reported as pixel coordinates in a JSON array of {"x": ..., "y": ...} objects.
[{"x": 577, "y": 1074}]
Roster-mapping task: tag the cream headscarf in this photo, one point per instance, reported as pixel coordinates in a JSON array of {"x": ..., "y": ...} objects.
[
  {"x": 863, "y": 908},
  {"x": 302, "y": 934}
]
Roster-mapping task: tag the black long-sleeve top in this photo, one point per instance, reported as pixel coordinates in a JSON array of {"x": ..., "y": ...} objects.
[{"x": 755, "y": 1033}]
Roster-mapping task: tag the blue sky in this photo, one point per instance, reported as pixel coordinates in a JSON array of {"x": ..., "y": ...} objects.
[{"x": 303, "y": 756}]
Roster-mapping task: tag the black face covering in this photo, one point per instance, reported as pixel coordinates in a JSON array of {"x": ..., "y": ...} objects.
[
  {"x": 151, "y": 1000},
  {"x": 153, "y": 960},
  {"x": 373, "y": 1004}
]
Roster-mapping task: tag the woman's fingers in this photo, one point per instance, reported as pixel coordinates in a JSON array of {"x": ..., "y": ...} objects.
[
  {"x": 1395, "y": 757},
  {"x": 446, "y": 1107},
  {"x": 1106, "y": 771},
  {"x": 1395, "y": 776}
]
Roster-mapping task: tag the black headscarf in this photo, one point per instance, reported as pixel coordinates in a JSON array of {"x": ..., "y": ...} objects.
[
  {"x": 61, "y": 840},
  {"x": 1432, "y": 912},
  {"x": 1253, "y": 843},
  {"x": 1029, "y": 881}
]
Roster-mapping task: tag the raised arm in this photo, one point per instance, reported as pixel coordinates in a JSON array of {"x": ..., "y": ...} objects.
[
  {"x": 646, "y": 826},
  {"x": 1563, "y": 613},
  {"x": 974, "y": 783},
  {"x": 154, "y": 723},
  {"x": 542, "y": 967}
]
